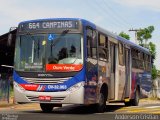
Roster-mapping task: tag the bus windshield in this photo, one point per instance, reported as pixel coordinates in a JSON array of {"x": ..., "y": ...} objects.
[{"x": 34, "y": 52}]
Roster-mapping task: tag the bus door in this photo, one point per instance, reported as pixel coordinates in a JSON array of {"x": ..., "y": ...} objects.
[
  {"x": 91, "y": 66},
  {"x": 113, "y": 69},
  {"x": 127, "y": 72}
]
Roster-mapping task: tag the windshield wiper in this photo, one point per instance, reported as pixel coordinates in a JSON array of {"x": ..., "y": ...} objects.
[{"x": 58, "y": 39}]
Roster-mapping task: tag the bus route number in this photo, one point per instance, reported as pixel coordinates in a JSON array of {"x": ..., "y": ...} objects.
[{"x": 34, "y": 25}]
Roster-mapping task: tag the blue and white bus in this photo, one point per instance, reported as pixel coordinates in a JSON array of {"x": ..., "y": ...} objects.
[{"x": 73, "y": 61}]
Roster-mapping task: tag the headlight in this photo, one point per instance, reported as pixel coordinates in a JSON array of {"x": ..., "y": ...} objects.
[
  {"x": 19, "y": 87},
  {"x": 75, "y": 87}
]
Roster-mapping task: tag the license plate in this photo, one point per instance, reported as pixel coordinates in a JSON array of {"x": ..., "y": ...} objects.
[{"x": 45, "y": 98}]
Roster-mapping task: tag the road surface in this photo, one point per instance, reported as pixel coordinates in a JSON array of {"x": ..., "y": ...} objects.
[{"x": 32, "y": 111}]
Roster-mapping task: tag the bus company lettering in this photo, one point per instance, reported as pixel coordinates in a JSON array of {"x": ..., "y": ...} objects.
[
  {"x": 31, "y": 87},
  {"x": 63, "y": 67}
]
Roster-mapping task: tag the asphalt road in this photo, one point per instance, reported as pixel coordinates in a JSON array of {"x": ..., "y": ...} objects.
[
  {"x": 71, "y": 112},
  {"x": 79, "y": 112}
]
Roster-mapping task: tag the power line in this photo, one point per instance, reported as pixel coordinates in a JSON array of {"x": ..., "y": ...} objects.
[
  {"x": 106, "y": 10},
  {"x": 112, "y": 9},
  {"x": 101, "y": 10}
]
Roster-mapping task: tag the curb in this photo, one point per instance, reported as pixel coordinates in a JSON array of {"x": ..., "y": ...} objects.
[{"x": 6, "y": 104}]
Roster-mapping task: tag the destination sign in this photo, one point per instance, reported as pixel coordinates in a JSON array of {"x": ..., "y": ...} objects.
[{"x": 41, "y": 25}]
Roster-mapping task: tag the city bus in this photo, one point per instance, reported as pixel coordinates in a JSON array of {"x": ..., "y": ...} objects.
[{"x": 73, "y": 61}]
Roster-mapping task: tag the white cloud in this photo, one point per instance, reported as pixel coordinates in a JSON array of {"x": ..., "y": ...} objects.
[{"x": 149, "y": 4}]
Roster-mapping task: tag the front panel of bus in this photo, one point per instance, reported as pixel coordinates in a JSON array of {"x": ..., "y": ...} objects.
[{"x": 49, "y": 60}]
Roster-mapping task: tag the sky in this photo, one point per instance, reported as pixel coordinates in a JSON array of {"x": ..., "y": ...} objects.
[{"x": 113, "y": 15}]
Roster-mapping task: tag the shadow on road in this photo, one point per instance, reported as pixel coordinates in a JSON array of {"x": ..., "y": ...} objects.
[{"x": 80, "y": 109}]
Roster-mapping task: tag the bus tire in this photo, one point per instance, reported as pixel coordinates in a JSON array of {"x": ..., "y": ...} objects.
[
  {"x": 101, "y": 106},
  {"x": 46, "y": 107},
  {"x": 128, "y": 103},
  {"x": 135, "y": 101}
]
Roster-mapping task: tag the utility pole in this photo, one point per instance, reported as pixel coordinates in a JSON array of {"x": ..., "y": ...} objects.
[{"x": 135, "y": 30}]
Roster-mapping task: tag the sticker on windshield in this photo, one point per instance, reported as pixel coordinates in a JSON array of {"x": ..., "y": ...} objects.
[
  {"x": 63, "y": 67},
  {"x": 51, "y": 37}
]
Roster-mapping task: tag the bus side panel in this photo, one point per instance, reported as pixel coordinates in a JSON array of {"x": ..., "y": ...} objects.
[
  {"x": 143, "y": 80},
  {"x": 146, "y": 84},
  {"x": 103, "y": 77},
  {"x": 91, "y": 88},
  {"x": 134, "y": 80},
  {"x": 91, "y": 64},
  {"x": 122, "y": 82}
]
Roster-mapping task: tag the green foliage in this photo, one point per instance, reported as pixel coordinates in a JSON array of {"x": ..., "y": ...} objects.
[
  {"x": 144, "y": 34},
  {"x": 124, "y": 35},
  {"x": 158, "y": 73},
  {"x": 152, "y": 49},
  {"x": 154, "y": 72}
]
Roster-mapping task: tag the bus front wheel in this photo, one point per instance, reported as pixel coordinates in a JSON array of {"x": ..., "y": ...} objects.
[{"x": 46, "y": 107}]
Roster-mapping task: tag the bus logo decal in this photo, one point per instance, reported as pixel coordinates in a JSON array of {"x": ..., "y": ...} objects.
[{"x": 41, "y": 88}]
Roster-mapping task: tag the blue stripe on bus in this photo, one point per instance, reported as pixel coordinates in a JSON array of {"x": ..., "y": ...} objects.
[
  {"x": 53, "y": 87},
  {"x": 18, "y": 79}
]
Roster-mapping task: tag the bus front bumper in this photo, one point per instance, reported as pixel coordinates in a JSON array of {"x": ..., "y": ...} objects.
[{"x": 71, "y": 96}]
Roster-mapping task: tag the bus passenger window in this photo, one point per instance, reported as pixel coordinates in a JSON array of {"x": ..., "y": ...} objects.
[
  {"x": 91, "y": 43},
  {"x": 121, "y": 54},
  {"x": 147, "y": 62},
  {"x": 88, "y": 47},
  {"x": 94, "y": 52},
  {"x": 142, "y": 60},
  {"x": 102, "y": 40},
  {"x": 103, "y": 47},
  {"x": 102, "y": 54}
]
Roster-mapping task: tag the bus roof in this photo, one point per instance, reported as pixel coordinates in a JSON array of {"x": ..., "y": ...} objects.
[
  {"x": 123, "y": 40},
  {"x": 88, "y": 23},
  {"x": 119, "y": 38},
  {"x": 51, "y": 19}
]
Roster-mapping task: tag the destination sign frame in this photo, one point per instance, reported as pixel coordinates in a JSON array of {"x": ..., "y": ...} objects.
[{"x": 48, "y": 25}]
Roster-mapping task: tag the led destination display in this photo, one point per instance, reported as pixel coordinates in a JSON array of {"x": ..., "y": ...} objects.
[{"x": 41, "y": 25}]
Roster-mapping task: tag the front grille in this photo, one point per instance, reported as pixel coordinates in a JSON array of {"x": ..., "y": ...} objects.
[
  {"x": 46, "y": 80},
  {"x": 53, "y": 99}
]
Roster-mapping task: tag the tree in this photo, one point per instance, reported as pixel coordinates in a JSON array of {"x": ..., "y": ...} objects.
[
  {"x": 124, "y": 35},
  {"x": 152, "y": 49},
  {"x": 154, "y": 72},
  {"x": 144, "y": 34}
]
